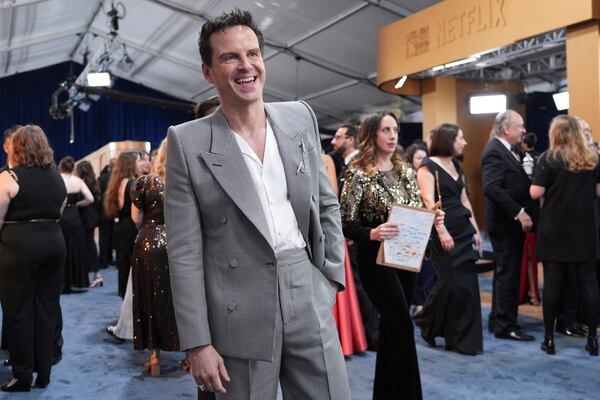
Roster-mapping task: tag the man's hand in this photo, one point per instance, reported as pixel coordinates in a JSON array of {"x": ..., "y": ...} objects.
[
  {"x": 207, "y": 368},
  {"x": 526, "y": 222}
]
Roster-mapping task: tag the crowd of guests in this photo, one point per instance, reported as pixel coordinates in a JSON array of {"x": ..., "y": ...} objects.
[{"x": 62, "y": 205}]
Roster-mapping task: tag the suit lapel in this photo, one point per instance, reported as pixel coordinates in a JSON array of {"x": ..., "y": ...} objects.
[
  {"x": 293, "y": 151},
  {"x": 226, "y": 163},
  {"x": 511, "y": 156}
]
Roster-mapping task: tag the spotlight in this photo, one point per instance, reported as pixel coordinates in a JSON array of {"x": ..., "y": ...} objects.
[
  {"x": 561, "y": 100},
  {"x": 96, "y": 79},
  {"x": 487, "y": 104}
]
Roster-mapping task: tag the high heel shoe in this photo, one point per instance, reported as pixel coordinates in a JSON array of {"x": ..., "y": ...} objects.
[
  {"x": 592, "y": 345},
  {"x": 153, "y": 365},
  {"x": 548, "y": 345},
  {"x": 98, "y": 281},
  {"x": 19, "y": 385}
]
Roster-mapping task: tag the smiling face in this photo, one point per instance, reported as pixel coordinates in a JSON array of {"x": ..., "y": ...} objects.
[
  {"x": 386, "y": 138},
  {"x": 237, "y": 71}
]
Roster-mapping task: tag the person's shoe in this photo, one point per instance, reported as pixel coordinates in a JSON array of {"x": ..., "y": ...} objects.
[
  {"x": 18, "y": 385},
  {"x": 153, "y": 365},
  {"x": 514, "y": 334},
  {"x": 575, "y": 329},
  {"x": 98, "y": 281},
  {"x": 548, "y": 345},
  {"x": 592, "y": 345},
  {"x": 42, "y": 382},
  {"x": 110, "y": 329}
]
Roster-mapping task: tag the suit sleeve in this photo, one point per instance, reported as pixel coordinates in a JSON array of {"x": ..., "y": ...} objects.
[
  {"x": 184, "y": 244},
  {"x": 331, "y": 223},
  {"x": 493, "y": 169}
]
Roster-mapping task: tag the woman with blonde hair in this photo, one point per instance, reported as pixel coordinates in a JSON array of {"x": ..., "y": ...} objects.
[
  {"x": 567, "y": 176},
  {"x": 154, "y": 325},
  {"x": 32, "y": 196},
  {"x": 374, "y": 182}
]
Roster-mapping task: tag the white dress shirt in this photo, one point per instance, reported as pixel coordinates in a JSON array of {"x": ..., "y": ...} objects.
[
  {"x": 350, "y": 156},
  {"x": 509, "y": 148},
  {"x": 269, "y": 180}
]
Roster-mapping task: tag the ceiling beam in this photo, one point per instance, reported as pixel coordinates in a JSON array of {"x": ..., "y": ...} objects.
[
  {"x": 145, "y": 49},
  {"x": 174, "y": 38},
  {"x": 11, "y": 31},
  {"x": 42, "y": 39},
  {"x": 21, "y": 3},
  {"x": 87, "y": 29}
]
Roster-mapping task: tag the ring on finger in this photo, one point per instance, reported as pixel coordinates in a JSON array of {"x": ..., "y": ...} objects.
[{"x": 202, "y": 388}]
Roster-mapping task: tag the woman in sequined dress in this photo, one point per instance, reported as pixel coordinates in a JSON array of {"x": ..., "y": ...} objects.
[
  {"x": 453, "y": 310},
  {"x": 154, "y": 325},
  {"x": 375, "y": 181}
]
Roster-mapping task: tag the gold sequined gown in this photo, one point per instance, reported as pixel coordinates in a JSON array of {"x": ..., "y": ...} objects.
[
  {"x": 365, "y": 203},
  {"x": 153, "y": 315}
]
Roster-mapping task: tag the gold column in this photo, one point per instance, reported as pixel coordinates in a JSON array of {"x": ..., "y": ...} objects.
[{"x": 583, "y": 73}]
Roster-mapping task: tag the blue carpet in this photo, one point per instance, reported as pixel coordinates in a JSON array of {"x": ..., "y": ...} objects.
[{"x": 96, "y": 366}]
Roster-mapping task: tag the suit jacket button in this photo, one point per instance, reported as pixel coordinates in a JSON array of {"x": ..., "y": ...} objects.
[
  {"x": 231, "y": 307},
  {"x": 223, "y": 220},
  {"x": 234, "y": 263}
]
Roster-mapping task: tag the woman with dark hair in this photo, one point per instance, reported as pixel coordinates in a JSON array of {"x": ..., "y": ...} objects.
[
  {"x": 154, "y": 324},
  {"x": 78, "y": 196},
  {"x": 567, "y": 176},
  {"x": 32, "y": 195},
  {"x": 117, "y": 203},
  {"x": 453, "y": 310},
  {"x": 374, "y": 182},
  {"x": 414, "y": 155},
  {"x": 90, "y": 216}
]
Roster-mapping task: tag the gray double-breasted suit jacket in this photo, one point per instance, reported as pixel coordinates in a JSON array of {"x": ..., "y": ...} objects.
[{"x": 222, "y": 263}]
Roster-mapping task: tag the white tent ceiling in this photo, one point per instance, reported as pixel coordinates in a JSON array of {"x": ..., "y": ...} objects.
[{"x": 335, "y": 41}]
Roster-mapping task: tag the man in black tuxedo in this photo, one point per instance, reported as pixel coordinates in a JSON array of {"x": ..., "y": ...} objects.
[
  {"x": 506, "y": 189},
  {"x": 6, "y": 144}
]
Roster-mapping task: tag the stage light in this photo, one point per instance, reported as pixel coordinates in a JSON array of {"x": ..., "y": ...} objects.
[
  {"x": 460, "y": 62},
  {"x": 487, "y": 104},
  {"x": 400, "y": 82},
  {"x": 561, "y": 100},
  {"x": 97, "y": 79}
]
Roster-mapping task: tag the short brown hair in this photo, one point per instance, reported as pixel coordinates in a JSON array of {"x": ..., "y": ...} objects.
[
  {"x": 442, "y": 140},
  {"x": 31, "y": 148}
]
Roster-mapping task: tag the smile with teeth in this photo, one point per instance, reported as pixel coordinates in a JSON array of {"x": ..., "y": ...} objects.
[{"x": 249, "y": 79}]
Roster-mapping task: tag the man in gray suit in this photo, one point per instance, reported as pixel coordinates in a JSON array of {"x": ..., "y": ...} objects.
[{"x": 254, "y": 234}]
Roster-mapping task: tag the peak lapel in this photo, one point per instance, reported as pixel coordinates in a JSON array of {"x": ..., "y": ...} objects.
[
  {"x": 294, "y": 154},
  {"x": 226, "y": 163}
]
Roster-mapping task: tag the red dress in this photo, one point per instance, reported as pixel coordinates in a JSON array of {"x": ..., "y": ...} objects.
[
  {"x": 528, "y": 255},
  {"x": 347, "y": 315}
]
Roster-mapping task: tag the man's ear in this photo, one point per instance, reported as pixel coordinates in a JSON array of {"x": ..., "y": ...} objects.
[{"x": 207, "y": 73}]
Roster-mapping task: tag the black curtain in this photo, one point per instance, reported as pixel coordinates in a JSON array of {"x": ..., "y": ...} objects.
[{"x": 25, "y": 98}]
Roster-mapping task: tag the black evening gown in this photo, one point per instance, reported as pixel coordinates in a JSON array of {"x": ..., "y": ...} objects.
[
  {"x": 453, "y": 310},
  {"x": 365, "y": 203},
  {"x": 154, "y": 324},
  {"x": 124, "y": 232},
  {"x": 89, "y": 218},
  {"x": 33, "y": 252},
  {"x": 76, "y": 264}
]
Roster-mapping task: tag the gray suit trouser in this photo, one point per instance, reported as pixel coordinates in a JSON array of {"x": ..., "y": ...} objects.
[{"x": 308, "y": 360}]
